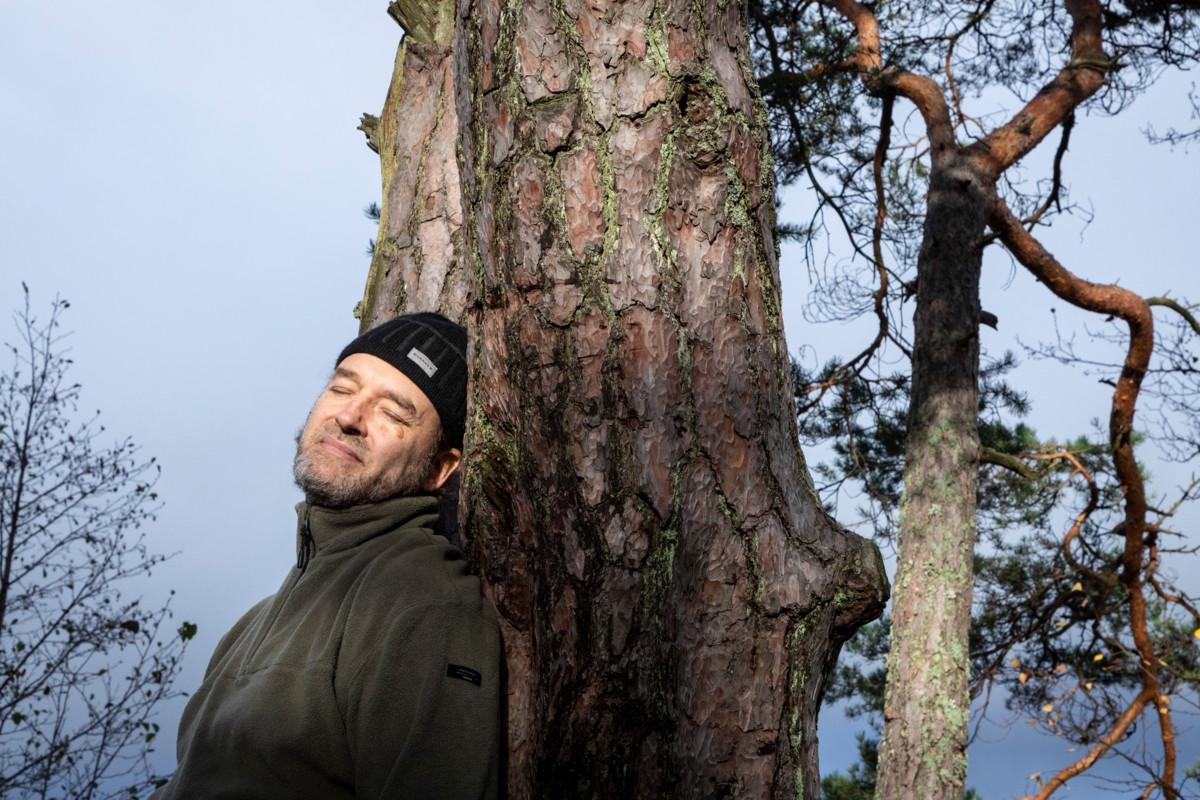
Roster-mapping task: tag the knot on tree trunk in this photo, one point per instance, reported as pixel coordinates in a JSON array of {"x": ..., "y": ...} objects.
[{"x": 864, "y": 590}]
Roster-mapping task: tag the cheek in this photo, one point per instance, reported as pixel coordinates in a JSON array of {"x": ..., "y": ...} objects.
[
  {"x": 396, "y": 452},
  {"x": 390, "y": 452},
  {"x": 316, "y": 425},
  {"x": 309, "y": 429}
]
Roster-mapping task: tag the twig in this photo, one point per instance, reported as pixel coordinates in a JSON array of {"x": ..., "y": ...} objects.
[{"x": 1178, "y": 308}]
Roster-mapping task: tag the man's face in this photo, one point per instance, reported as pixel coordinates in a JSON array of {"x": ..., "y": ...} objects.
[{"x": 371, "y": 435}]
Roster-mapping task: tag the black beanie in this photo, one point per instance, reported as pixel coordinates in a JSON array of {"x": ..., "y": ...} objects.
[{"x": 432, "y": 351}]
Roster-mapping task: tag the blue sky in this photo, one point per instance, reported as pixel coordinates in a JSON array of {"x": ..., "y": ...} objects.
[{"x": 189, "y": 176}]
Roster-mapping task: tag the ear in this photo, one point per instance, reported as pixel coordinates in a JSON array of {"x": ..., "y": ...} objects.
[{"x": 444, "y": 465}]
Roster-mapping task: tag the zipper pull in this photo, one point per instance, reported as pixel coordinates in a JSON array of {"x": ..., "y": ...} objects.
[{"x": 307, "y": 545}]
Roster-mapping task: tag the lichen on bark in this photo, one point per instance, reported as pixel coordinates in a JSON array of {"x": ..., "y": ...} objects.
[{"x": 924, "y": 742}]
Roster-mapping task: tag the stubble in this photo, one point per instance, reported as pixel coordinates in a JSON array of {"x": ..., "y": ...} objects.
[{"x": 331, "y": 483}]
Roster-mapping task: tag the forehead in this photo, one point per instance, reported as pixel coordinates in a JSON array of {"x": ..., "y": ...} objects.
[{"x": 377, "y": 376}]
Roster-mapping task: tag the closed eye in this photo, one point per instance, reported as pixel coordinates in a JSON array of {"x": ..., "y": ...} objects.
[{"x": 395, "y": 417}]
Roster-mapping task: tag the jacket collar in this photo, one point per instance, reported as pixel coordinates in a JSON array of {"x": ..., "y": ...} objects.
[{"x": 340, "y": 529}]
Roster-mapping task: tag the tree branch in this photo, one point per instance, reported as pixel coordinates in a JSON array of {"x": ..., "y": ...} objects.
[
  {"x": 978, "y": 16},
  {"x": 1114, "y": 734},
  {"x": 1135, "y": 312},
  {"x": 1052, "y": 199},
  {"x": 1010, "y": 462},
  {"x": 920, "y": 90},
  {"x": 1083, "y": 75},
  {"x": 1178, "y": 308}
]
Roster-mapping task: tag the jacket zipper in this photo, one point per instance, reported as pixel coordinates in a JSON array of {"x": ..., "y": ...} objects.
[
  {"x": 305, "y": 549},
  {"x": 280, "y": 600}
]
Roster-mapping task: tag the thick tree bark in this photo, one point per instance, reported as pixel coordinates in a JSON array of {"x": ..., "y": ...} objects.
[
  {"x": 671, "y": 594},
  {"x": 923, "y": 753}
]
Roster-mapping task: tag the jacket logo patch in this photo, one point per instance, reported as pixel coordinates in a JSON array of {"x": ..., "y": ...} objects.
[
  {"x": 463, "y": 674},
  {"x": 423, "y": 361}
]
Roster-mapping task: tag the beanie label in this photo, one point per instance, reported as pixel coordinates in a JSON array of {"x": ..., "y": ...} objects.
[{"x": 423, "y": 361}]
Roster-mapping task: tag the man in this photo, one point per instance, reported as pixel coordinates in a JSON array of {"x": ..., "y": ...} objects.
[{"x": 374, "y": 671}]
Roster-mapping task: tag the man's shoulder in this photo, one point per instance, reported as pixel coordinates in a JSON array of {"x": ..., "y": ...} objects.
[
  {"x": 413, "y": 588},
  {"x": 415, "y": 567}
]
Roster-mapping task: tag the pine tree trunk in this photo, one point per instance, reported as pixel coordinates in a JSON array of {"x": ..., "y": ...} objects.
[
  {"x": 417, "y": 263},
  {"x": 923, "y": 753},
  {"x": 672, "y": 597}
]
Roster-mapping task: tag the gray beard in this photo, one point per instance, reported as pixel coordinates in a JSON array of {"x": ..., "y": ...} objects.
[{"x": 343, "y": 491}]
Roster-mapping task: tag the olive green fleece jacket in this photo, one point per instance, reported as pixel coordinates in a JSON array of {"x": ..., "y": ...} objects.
[{"x": 374, "y": 672}]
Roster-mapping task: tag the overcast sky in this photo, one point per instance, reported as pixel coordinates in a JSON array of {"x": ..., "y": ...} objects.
[{"x": 189, "y": 176}]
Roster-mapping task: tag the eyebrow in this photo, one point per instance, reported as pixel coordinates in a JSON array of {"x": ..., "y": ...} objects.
[{"x": 403, "y": 402}]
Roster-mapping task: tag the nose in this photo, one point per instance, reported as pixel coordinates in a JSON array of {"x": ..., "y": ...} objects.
[{"x": 350, "y": 416}]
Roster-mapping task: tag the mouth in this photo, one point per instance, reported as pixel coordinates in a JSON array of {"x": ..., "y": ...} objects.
[{"x": 340, "y": 449}]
